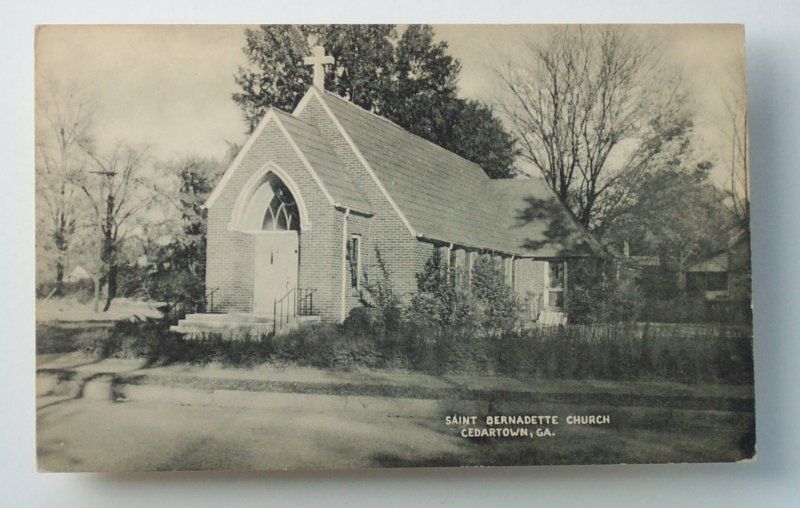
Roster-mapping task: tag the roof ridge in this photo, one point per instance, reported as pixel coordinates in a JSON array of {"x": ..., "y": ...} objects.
[
  {"x": 286, "y": 114},
  {"x": 376, "y": 115},
  {"x": 339, "y": 97}
]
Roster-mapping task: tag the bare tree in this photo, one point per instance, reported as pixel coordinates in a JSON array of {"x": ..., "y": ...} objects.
[
  {"x": 63, "y": 124},
  {"x": 739, "y": 164},
  {"x": 112, "y": 188},
  {"x": 589, "y": 115}
]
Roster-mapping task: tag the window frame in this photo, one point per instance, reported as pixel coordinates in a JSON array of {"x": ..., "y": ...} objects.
[
  {"x": 549, "y": 288},
  {"x": 354, "y": 260}
]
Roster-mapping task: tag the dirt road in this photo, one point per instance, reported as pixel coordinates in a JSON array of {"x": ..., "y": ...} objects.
[{"x": 322, "y": 431}]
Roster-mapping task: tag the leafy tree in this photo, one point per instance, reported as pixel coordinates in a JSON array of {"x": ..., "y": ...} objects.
[
  {"x": 424, "y": 91},
  {"x": 176, "y": 272},
  {"x": 677, "y": 213},
  {"x": 478, "y": 135},
  {"x": 275, "y": 75},
  {"x": 364, "y": 65},
  {"x": 410, "y": 79},
  {"x": 424, "y": 102},
  {"x": 197, "y": 180}
]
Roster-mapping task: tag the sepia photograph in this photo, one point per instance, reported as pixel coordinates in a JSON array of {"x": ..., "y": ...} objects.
[{"x": 269, "y": 247}]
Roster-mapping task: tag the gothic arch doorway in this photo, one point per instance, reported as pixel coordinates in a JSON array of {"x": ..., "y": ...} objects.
[{"x": 269, "y": 210}]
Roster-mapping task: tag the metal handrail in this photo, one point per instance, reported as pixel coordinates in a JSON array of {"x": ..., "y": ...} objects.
[
  {"x": 296, "y": 302},
  {"x": 279, "y": 314},
  {"x": 208, "y": 300},
  {"x": 305, "y": 301}
]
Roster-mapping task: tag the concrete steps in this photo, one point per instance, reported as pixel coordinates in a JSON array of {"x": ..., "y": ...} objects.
[
  {"x": 237, "y": 324},
  {"x": 550, "y": 317},
  {"x": 226, "y": 324},
  {"x": 233, "y": 317}
]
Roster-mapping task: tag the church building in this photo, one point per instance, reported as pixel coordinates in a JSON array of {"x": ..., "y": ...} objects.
[{"x": 319, "y": 198}]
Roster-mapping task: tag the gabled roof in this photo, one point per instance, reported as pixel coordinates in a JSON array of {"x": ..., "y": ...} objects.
[
  {"x": 719, "y": 260},
  {"x": 315, "y": 152},
  {"x": 714, "y": 263},
  {"x": 331, "y": 171},
  {"x": 537, "y": 223},
  {"x": 445, "y": 197}
]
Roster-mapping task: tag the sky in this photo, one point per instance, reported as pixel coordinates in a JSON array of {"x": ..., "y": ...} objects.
[{"x": 168, "y": 87}]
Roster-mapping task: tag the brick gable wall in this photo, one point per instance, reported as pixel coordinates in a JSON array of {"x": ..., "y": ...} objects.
[
  {"x": 229, "y": 262},
  {"x": 385, "y": 232}
]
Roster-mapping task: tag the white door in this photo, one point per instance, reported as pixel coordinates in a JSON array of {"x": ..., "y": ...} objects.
[{"x": 276, "y": 265}]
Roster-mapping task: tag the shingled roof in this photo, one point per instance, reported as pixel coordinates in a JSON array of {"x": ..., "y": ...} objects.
[
  {"x": 334, "y": 176},
  {"x": 447, "y": 198},
  {"x": 334, "y": 179}
]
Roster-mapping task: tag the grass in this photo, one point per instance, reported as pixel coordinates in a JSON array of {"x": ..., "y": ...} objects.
[
  {"x": 687, "y": 355},
  {"x": 66, "y": 337}
]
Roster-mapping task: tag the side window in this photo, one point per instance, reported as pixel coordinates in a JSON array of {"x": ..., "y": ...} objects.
[
  {"x": 556, "y": 278},
  {"x": 354, "y": 259}
]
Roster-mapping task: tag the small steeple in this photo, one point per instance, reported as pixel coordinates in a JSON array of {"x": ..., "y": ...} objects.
[{"x": 318, "y": 59}]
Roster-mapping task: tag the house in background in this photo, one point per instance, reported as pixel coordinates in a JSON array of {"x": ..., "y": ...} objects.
[
  {"x": 724, "y": 275},
  {"x": 317, "y": 196},
  {"x": 78, "y": 273}
]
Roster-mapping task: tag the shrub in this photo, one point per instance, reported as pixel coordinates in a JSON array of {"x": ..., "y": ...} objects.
[
  {"x": 597, "y": 296},
  {"x": 183, "y": 292},
  {"x": 440, "y": 300},
  {"x": 378, "y": 294},
  {"x": 500, "y": 310},
  {"x": 678, "y": 353},
  {"x": 97, "y": 342},
  {"x": 696, "y": 309}
]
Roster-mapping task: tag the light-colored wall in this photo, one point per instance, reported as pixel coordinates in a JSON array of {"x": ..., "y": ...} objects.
[{"x": 529, "y": 279}]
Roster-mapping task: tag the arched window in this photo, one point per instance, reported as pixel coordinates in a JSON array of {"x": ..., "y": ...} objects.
[
  {"x": 269, "y": 201},
  {"x": 282, "y": 213}
]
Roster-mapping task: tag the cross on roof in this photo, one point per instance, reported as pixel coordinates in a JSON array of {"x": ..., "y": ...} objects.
[{"x": 318, "y": 59}]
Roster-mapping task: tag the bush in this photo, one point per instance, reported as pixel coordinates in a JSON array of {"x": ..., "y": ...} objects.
[
  {"x": 499, "y": 309},
  {"x": 696, "y": 309},
  {"x": 487, "y": 305},
  {"x": 596, "y": 296},
  {"x": 152, "y": 341},
  {"x": 182, "y": 291},
  {"x": 441, "y": 300},
  {"x": 621, "y": 352}
]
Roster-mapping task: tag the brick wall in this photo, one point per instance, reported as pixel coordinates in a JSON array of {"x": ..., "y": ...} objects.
[
  {"x": 229, "y": 263},
  {"x": 385, "y": 232},
  {"x": 529, "y": 278}
]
